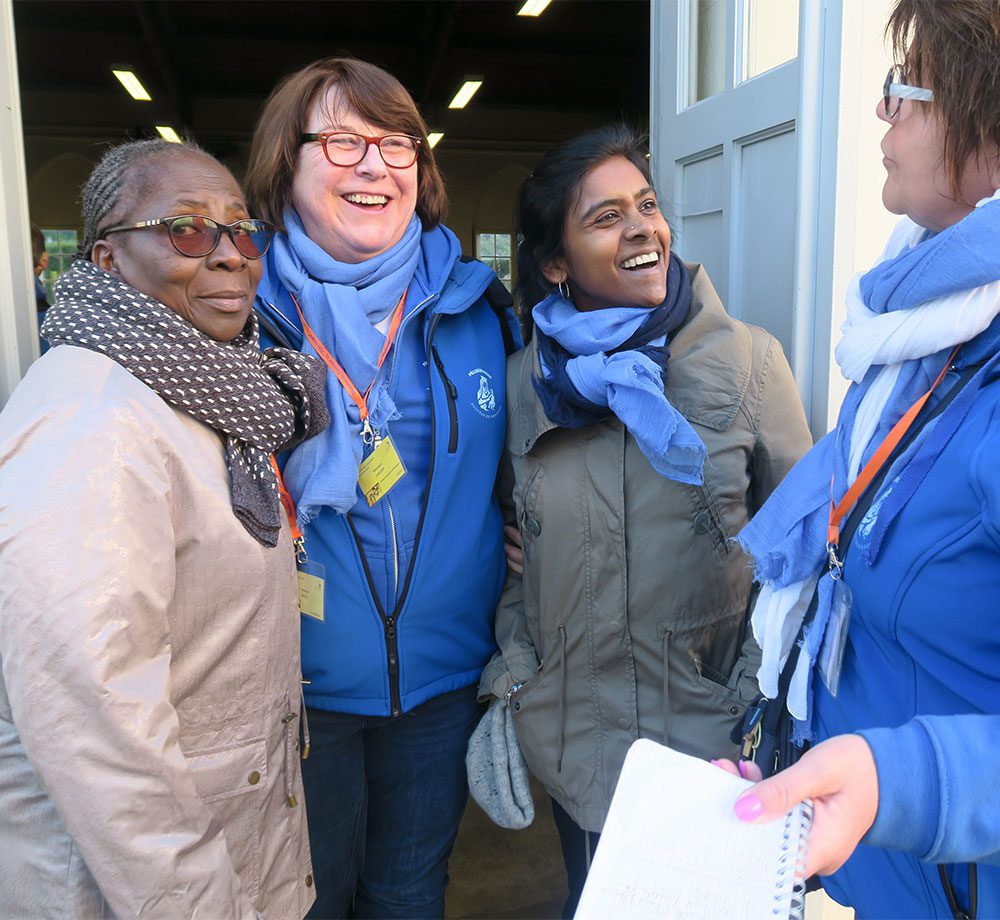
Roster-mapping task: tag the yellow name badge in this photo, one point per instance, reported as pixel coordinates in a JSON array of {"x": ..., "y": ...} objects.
[
  {"x": 380, "y": 471},
  {"x": 312, "y": 581}
]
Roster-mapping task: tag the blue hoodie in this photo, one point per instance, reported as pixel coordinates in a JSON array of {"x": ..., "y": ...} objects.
[
  {"x": 921, "y": 683},
  {"x": 411, "y": 583}
]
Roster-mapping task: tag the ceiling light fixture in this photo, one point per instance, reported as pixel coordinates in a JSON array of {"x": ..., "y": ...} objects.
[
  {"x": 433, "y": 138},
  {"x": 169, "y": 134},
  {"x": 533, "y": 7},
  {"x": 465, "y": 92},
  {"x": 133, "y": 87}
]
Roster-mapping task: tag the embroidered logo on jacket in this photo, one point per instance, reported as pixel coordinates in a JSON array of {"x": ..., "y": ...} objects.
[
  {"x": 486, "y": 399},
  {"x": 871, "y": 515}
]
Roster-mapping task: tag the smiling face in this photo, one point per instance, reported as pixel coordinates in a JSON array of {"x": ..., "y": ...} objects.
[
  {"x": 215, "y": 292},
  {"x": 352, "y": 212},
  {"x": 916, "y": 182},
  {"x": 616, "y": 243}
]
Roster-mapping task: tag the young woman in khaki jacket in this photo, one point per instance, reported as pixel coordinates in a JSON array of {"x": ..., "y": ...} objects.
[{"x": 645, "y": 427}]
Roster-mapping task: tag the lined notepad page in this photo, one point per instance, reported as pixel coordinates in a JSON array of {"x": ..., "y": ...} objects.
[{"x": 673, "y": 848}]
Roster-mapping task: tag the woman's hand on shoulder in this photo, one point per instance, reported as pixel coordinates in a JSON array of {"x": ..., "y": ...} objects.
[
  {"x": 512, "y": 549},
  {"x": 839, "y": 776}
]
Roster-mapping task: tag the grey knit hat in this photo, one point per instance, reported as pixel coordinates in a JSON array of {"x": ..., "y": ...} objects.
[{"x": 498, "y": 778}]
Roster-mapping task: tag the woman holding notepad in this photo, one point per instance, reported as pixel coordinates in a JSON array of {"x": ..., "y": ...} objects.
[{"x": 899, "y": 675}]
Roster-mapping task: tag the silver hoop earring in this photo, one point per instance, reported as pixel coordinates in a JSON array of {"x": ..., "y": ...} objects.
[{"x": 564, "y": 290}]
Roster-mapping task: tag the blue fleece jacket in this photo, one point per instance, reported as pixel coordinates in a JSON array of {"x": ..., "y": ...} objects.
[
  {"x": 921, "y": 683},
  {"x": 411, "y": 582}
]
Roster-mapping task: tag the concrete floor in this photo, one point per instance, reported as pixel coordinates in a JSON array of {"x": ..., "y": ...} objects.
[{"x": 496, "y": 873}]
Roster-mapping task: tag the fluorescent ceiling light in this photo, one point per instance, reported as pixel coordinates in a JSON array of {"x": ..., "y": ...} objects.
[
  {"x": 465, "y": 92},
  {"x": 533, "y": 7},
  {"x": 132, "y": 85},
  {"x": 169, "y": 134},
  {"x": 434, "y": 137}
]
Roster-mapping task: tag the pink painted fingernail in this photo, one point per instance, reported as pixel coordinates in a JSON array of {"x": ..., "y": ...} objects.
[
  {"x": 742, "y": 767},
  {"x": 714, "y": 763},
  {"x": 748, "y": 807}
]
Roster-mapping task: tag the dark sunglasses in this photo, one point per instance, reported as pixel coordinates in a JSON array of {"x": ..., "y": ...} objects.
[{"x": 196, "y": 236}]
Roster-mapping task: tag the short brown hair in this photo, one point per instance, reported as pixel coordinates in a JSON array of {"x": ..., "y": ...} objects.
[
  {"x": 953, "y": 48},
  {"x": 377, "y": 96}
]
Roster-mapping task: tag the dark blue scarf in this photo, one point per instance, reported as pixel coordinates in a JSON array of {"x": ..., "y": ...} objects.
[
  {"x": 595, "y": 364},
  {"x": 563, "y": 403}
]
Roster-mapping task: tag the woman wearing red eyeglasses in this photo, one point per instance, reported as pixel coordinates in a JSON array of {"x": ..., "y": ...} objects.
[
  {"x": 396, "y": 499},
  {"x": 149, "y": 700}
]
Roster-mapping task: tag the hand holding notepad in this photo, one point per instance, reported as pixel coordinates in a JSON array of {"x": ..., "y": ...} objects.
[{"x": 673, "y": 848}]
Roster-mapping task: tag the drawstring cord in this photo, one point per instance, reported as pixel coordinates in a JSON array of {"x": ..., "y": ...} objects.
[
  {"x": 290, "y": 738},
  {"x": 305, "y": 720},
  {"x": 666, "y": 686},
  {"x": 562, "y": 700}
]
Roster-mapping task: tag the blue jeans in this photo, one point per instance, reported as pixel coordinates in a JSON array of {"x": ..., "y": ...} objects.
[{"x": 385, "y": 797}]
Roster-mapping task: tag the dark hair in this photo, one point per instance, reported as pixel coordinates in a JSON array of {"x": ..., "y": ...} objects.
[
  {"x": 953, "y": 48},
  {"x": 119, "y": 181},
  {"x": 377, "y": 96},
  {"x": 37, "y": 245},
  {"x": 548, "y": 195}
]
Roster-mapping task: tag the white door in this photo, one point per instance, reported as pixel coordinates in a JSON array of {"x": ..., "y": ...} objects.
[{"x": 724, "y": 104}]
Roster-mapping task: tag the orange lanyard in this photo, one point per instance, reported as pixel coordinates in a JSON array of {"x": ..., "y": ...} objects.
[
  {"x": 840, "y": 511},
  {"x": 297, "y": 537},
  {"x": 334, "y": 365}
]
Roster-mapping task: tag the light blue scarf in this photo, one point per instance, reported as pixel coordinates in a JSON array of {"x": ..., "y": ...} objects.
[
  {"x": 341, "y": 302},
  {"x": 628, "y": 383},
  {"x": 787, "y": 538}
]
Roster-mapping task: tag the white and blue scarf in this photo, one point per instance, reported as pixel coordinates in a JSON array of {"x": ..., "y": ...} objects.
[
  {"x": 614, "y": 361},
  {"x": 342, "y": 303},
  {"x": 926, "y": 295}
]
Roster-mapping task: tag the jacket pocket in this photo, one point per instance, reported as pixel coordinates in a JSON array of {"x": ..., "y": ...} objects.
[
  {"x": 231, "y": 782},
  {"x": 230, "y": 771},
  {"x": 698, "y": 711},
  {"x": 452, "y": 395},
  {"x": 527, "y": 486},
  {"x": 547, "y": 730}
]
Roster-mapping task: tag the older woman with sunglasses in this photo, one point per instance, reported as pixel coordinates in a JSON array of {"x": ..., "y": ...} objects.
[
  {"x": 898, "y": 674},
  {"x": 396, "y": 499},
  {"x": 149, "y": 703}
]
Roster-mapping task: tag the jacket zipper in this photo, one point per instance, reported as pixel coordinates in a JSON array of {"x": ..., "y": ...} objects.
[
  {"x": 395, "y": 548},
  {"x": 452, "y": 392},
  {"x": 388, "y": 501},
  {"x": 392, "y": 530},
  {"x": 389, "y": 621}
]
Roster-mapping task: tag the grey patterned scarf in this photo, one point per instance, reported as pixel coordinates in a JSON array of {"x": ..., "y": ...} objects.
[{"x": 259, "y": 402}]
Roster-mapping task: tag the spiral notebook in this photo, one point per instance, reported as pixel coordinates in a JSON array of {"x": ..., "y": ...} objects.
[{"x": 673, "y": 848}]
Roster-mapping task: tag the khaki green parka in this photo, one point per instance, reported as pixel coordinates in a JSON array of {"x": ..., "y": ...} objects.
[{"x": 630, "y": 620}]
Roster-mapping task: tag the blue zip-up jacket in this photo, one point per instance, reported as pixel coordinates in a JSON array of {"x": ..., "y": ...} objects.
[
  {"x": 411, "y": 583},
  {"x": 921, "y": 683}
]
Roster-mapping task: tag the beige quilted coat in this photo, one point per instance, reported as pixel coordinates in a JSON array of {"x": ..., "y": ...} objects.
[{"x": 149, "y": 701}]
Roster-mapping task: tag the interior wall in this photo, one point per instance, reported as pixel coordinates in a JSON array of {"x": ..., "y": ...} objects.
[
  {"x": 482, "y": 185},
  {"x": 482, "y": 188}
]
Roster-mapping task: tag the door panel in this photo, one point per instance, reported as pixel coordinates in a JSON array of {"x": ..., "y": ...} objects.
[
  {"x": 764, "y": 234},
  {"x": 725, "y": 165}
]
